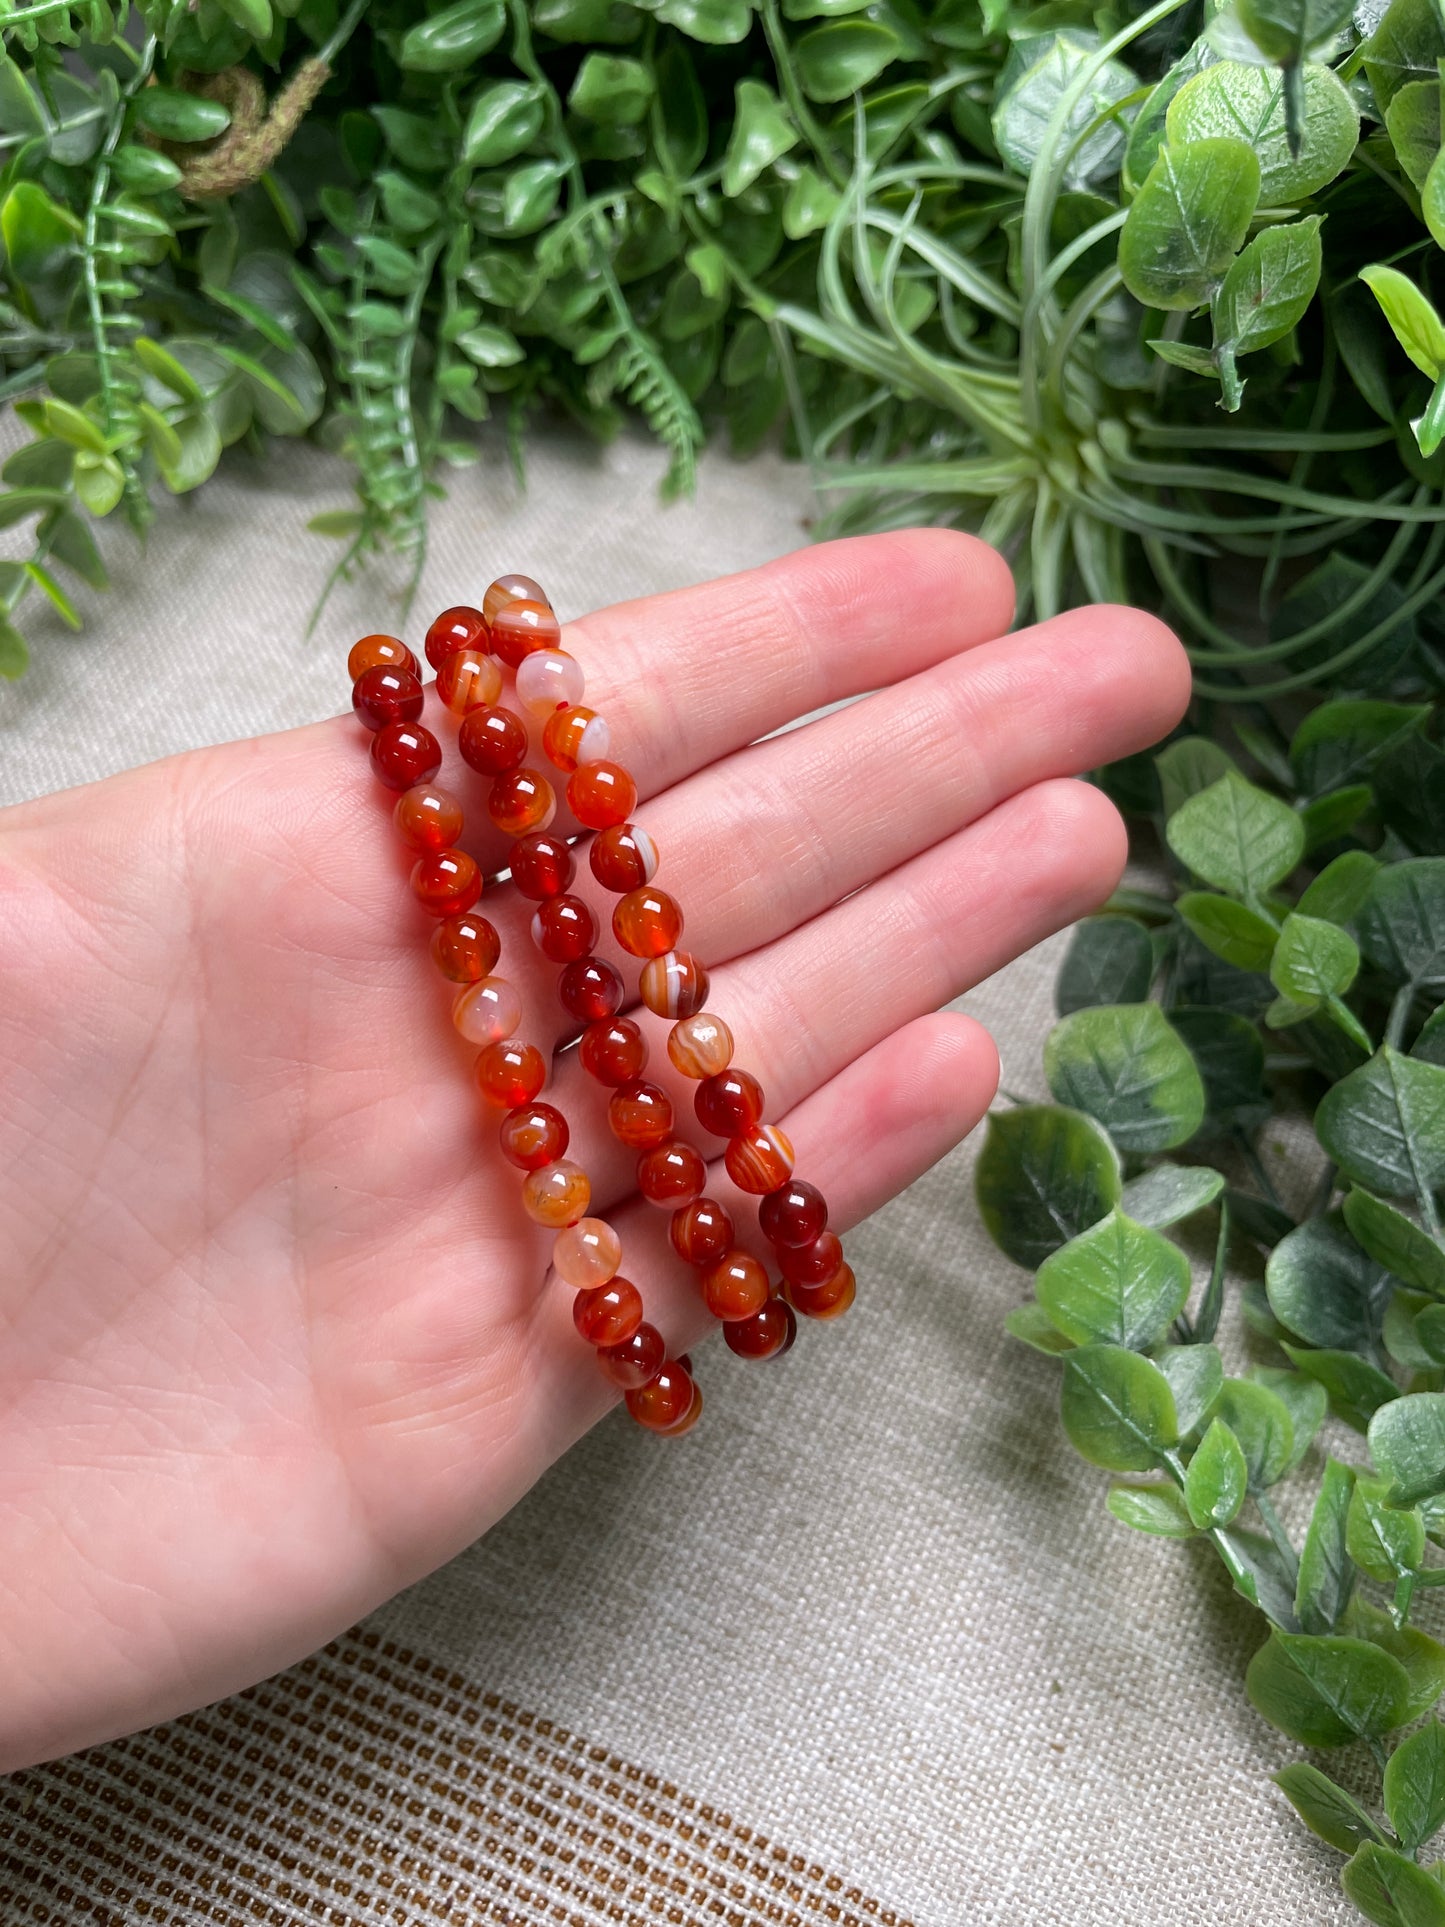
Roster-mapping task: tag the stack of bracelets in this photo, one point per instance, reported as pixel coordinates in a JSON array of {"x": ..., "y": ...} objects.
[{"x": 472, "y": 651}]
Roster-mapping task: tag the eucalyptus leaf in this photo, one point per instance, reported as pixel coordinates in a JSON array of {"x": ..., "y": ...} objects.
[
  {"x": 1395, "y": 1242},
  {"x": 1384, "y": 1125},
  {"x": 1187, "y": 223},
  {"x": 1260, "y": 1420},
  {"x": 1109, "y": 961},
  {"x": 1326, "y": 1809},
  {"x": 1407, "y": 1443},
  {"x": 1117, "y": 1408},
  {"x": 1157, "y": 1510},
  {"x": 1126, "y": 1067},
  {"x": 1217, "y": 1478},
  {"x": 1118, "y": 1283},
  {"x": 1326, "y": 1575},
  {"x": 1232, "y": 930},
  {"x": 1044, "y": 1175},
  {"x": 1327, "y": 1689},
  {"x": 1237, "y": 837},
  {"x": 1196, "y": 1378},
  {"x": 1391, "y": 1890},
  {"x": 1170, "y": 1192},
  {"x": 1236, "y": 102}
]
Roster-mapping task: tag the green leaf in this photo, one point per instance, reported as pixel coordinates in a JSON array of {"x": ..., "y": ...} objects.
[
  {"x": 1156, "y": 1509},
  {"x": 1118, "y": 1283},
  {"x": 611, "y": 90},
  {"x": 1187, "y": 223},
  {"x": 39, "y": 235},
  {"x": 1232, "y": 101},
  {"x": 409, "y": 208},
  {"x": 1237, "y": 837},
  {"x": 179, "y": 116},
  {"x": 1217, "y": 1478},
  {"x": 761, "y": 132},
  {"x": 1422, "y": 1657},
  {"x": 1288, "y": 31},
  {"x": 1384, "y": 1541},
  {"x": 1406, "y": 46},
  {"x": 1124, "y": 1065},
  {"x": 1109, "y": 961},
  {"x": 1307, "y": 1404},
  {"x": 491, "y": 347},
  {"x": 1170, "y": 1192},
  {"x": 1243, "y": 937},
  {"x": 718, "y": 23},
  {"x": 1261, "y": 1422},
  {"x": 1384, "y": 1124},
  {"x": 1326, "y": 1576},
  {"x": 72, "y": 543},
  {"x": 1415, "y": 1786},
  {"x": 1324, "y": 1289},
  {"x": 1342, "y": 742},
  {"x": 1230, "y": 1058},
  {"x": 73, "y": 425},
  {"x": 1416, "y": 326},
  {"x": 1401, "y": 925},
  {"x": 99, "y": 482},
  {"x": 1313, "y": 960},
  {"x": 504, "y": 119},
  {"x": 1340, "y": 888},
  {"x": 1196, "y": 1378},
  {"x": 200, "y": 440},
  {"x": 1031, "y": 1325},
  {"x": 161, "y": 365},
  {"x": 835, "y": 60},
  {"x": 1391, "y": 1890},
  {"x": 1188, "y": 766},
  {"x": 453, "y": 38},
  {"x": 251, "y": 16},
  {"x": 1407, "y": 1443},
  {"x": 1413, "y": 121},
  {"x": 1183, "y": 354},
  {"x": 1326, "y": 1809},
  {"x": 1043, "y": 1176},
  {"x": 417, "y": 140},
  {"x": 1396, "y": 1242},
  {"x": 1327, "y": 1689},
  {"x": 143, "y": 170},
  {"x": 54, "y": 594},
  {"x": 1270, "y": 286},
  {"x": 1040, "y": 71},
  {"x": 1118, "y": 1411},
  {"x": 1356, "y": 1389},
  {"x": 811, "y": 204}
]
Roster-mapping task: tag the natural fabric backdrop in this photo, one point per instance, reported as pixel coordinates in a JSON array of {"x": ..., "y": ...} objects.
[{"x": 864, "y": 1647}]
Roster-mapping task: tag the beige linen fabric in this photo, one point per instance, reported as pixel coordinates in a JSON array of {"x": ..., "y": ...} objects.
[{"x": 865, "y": 1647}]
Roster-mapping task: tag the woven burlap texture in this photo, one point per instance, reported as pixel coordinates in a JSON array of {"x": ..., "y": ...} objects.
[{"x": 874, "y": 1606}]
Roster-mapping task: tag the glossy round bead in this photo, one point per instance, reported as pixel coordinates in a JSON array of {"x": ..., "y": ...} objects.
[
  {"x": 493, "y": 741},
  {"x": 446, "y": 882},
  {"x": 542, "y": 865},
  {"x": 427, "y": 818},
  {"x": 700, "y": 1046},
  {"x": 640, "y": 1115},
  {"x": 647, "y": 922},
  {"x": 558, "y": 1194},
  {"x": 533, "y": 1135},
  {"x": 466, "y": 949},
  {"x": 610, "y": 1314},
  {"x": 665, "y": 1402},
  {"x": 590, "y": 989},
  {"x": 623, "y": 858},
  {"x": 460, "y": 628},
  {"x": 520, "y": 627},
  {"x": 759, "y": 1160},
  {"x": 730, "y": 1103},
  {"x": 487, "y": 1012},
  {"x": 573, "y": 736},
  {"x": 564, "y": 929},
  {"x": 674, "y": 984},
  {"x": 586, "y": 1254},
  {"x": 672, "y": 1174},
  {"x": 701, "y": 1232},
  {"x": 735, "y": 1286},
  {"x": 767, "y": 1334},
  {"x": 511, "y": 588},
  {"x": 824, "y": 1301},
  {"x": 381, "y": 696},
  {"x": 614, "y": 1051},
  {"x": 510, "y": 1072},
  {"x": 549, "y": 680},
  {"x": 523, "y": 801},
  {"x": 601, "y": 795},
  {"x": 380, "y": 652},
  {"x": 403, "y": 754},
  {"x": 813, "y": 1263},
  {"x": 795, "y": 1214},
  {"x": 636, "y": 1359},
  {"x": 468, "y": 680}
]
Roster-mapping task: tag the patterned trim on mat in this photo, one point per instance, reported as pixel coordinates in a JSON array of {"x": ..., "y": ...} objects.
[{"x": 373, "y": 1787}]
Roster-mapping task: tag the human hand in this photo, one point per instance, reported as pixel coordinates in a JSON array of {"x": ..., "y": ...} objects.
[{"x": 274, "y": 1340}]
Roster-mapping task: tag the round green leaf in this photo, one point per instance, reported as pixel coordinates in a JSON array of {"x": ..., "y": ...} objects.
[
  {"x": 1342, "y": 742},
  {"x": 761, "y": 132},
  {"x": 1313, "y": 960},
  {"x": 1125, "y": 1066},
  {"x": 39, "y": 235},
  {"x": 1356, "y": 1388},
  {"x": 1243, "y": 937},
  {"x": 1196, "y": 1378},
  {"x": 1233, "y": 101},
  {"x": 505, "y": 118},
  {"x": 1268, "y": 289},
  {"x": 1412, "y": 120},
  {"x": 1412, "y": 318},
  {"x": 1326, "y": 1575},
  {"x": 1406, "y": 46},
  {"x": 718, "y": 23},
  {"x": 1384, "y": 1541},
  {"x": 1044, "y": 1175},
  {"x": 1117, "y": 1408},
  {"x": 1396, "y": 1242},
  {"x": 1402, "y": 922},
  {"x": 1158, "y": 1510},
  {"x": 1217, "y": 1479},
  {"x": 1188, "y": 766},
  {"x": 835, "y": 60},
  {"x": 1307, "y": 1405},
  {"x": 1384, "y": 1124},
  {"x": 178, "y": 116},
  {"x": 1407, "y": 1443},
  {"x": 1187, "y": 223},
  {"x": 1260, "y": 1420},
  {"x": 1326, "y": 1809},
  {"x": 455, "y": 37},
  {"x": 1327, "y": 1689},
  {"x": 1170, "y": 1192},
  {"x": 491, "y": 347},
  {"x": 1109, "y": 961},
  {"x": 1287, "y": 31},
  {"x": 1415, "y": 1786},
  {"x": 1118, "y": 1283},
  {"x": 611, "y": 90},
  {"x": 1324, "y": 1289},
  {"x": 1031, "y": 1325},
  {"x": 1040, "y": 72},
  {"x": 1391, "y": 1890},
  {"x": 1229, "y": 1055},
  {"x": 1237, "y": 837}
]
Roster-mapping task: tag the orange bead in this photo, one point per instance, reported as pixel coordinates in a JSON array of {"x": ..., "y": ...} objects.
[
  {"x": 794, "y": 1215},
  {"x": 510, "y": 1072},
  {"x": 824, "y": 1301},
  {"x": 665, "y": 1401},
  {"x": 587, "y": 1254},
  {"x": 640, "y": 1115},
  {"x": 647, "y": 922},
  {"x": 492, "y": 741},
  {"x": 674, "y": 984},
  {"x": 427, "y": 818},
  {"x": 689, "y": 1418},
  {"x": 382, "y": 696},
  {"x": 446, "y": 882},
  {"x": 511, "y": 588},
  {"x": 403, "y": 754},
  {"x": 637, "y": 1359},
  {"x": 623, "y": 858},
  {"x": 759, "y": 1160},
  {"x": 700, "y": 1046},
  {"x": 608, "y": 1314},
  {"x": 558, "y": 1194},
  {"x": 577, "y": 735},
  {"x": 488, "y": 1011},
  {"x": 523, "y": 801},
  {"x": 542, "y": 865},
  {"x": 520, "y": 627},
  {"x": 380, "y": 652},
  {"x": 460, "y": 628},
  {"x": 468, "y": 680},
  {"x": 533, "y": 1135},
  {"x": 614, "y": 1051},
  {"x": 601, "y": 795},
  {"x": 549, "y": 681},
  {"x": 672, "y": 1174},
  {"x": 730, "y": 1103},
  {"x": 590, "y": 989},
  {"x": 767, "y": 1334},
  {"x": 735, "y": 1286},
  {"x": 811, "y": 1263},
  {"x": 701, "y": 1232},
  {"x": 465, "y": 949},
  {"x": 564, "y": 929}
]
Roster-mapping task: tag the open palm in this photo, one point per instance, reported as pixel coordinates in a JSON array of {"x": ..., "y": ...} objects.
[{"x": 274, "y": 1333}]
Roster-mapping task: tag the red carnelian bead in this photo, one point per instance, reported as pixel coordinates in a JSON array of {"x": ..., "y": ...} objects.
[
  {"x": 647, "y": 922},
  {"x": 824, "y": 1301},
  {"x": 701, "y": 1045},
  {"x": 533, "y": 1135},
  {"x": 640, "y": 1115},
  {"x": 510, "y": 1073},
  {"x": 673, "y": 1174},
  {"x": 812, "y": 1264},
  {"x": 380, "y": 696},
  {"x": 523, "y": 801},
  {"x": 701, "y": 1232},
  {"x": 558, "y": 1194},
  {"x": 614, "y": 1052},
  {"x": 492, "y": 740},
  {"x": 427, "y": 818},
  {"x": 689, "y": 1418},
  {"x": 511, "y": 588},
  {"x": 460, "y": 628},
  {"x": 608, "y": 1314},
  {"x": 564, "y": 929},
  {"x": 735, "y": 1286},
  {"x": 405, "y": 753},
  {"x": 380, "y": 652},
  {"x": 542, "y": 865},
  {"x": 665, "y": 1401},
  {"x": 767, "y": 1334},
  {"x": 674, "y": 984},
  {"x": 730, "y": 1103},
  {"x": 636, "y": 1359},
  {"x": 623, "y": 858},
  {"x": 601, "y": 795},
  {"x": 520, "y": 627},
  {"x": 576, "y": 735},
  {"x": 446, "y": 882},
  {"x": 590, "y": 989},
  {"x": 465, "y": 949},
  {"x": 759, "y": 1160},
  {"x": 468, "y": 680},
  {"x": 795, "y": 1214}
]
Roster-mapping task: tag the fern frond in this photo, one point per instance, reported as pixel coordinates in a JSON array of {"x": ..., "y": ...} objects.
[{"x": 637, "y": 371}]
